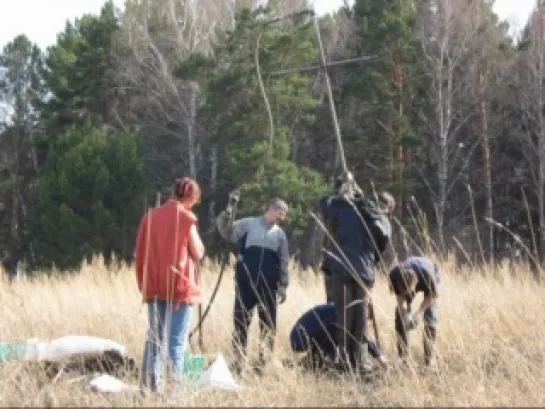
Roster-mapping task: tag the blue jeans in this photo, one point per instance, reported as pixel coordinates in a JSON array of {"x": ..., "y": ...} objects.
[{"x": 165, "y": 323}]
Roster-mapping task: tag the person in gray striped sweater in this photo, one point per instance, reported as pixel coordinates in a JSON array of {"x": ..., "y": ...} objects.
[{"x": 261, "y": 275}]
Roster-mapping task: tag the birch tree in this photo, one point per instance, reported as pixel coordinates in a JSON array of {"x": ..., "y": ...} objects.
[
  {"x": 530, "y": 78},
  {"x": 21, "y": 89},
  {"x": 449, "y": 33},
  {"x": 491, "y": 75},
  {"x": 156, "y": 36}
]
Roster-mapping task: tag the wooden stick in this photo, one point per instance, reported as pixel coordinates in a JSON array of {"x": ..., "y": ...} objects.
[
  {"x": 321, "y": 66},
  {"x": 201, "y": 339}
]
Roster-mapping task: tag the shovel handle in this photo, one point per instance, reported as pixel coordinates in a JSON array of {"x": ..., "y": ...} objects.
[{"x": 201, "y": 340}]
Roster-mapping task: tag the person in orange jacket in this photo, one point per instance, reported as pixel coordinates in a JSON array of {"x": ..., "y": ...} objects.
[{"x": 168, "y": 249}]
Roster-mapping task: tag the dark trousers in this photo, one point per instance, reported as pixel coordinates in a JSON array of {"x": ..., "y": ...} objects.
[
  {"x": 350, "y": 299},
  {"x": 429, "y": 336},
  {"x": 248, "y": 296}
]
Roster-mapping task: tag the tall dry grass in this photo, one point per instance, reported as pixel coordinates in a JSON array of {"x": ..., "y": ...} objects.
[{"x": 490, "y": 342}]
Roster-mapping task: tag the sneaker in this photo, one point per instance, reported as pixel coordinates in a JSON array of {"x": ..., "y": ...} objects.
[
  {"x": 383, "y": 362},
  {"x": 341, "y": 358},
  {"x": 366, "y": 368},
  {"x": 363, "y": 360}
]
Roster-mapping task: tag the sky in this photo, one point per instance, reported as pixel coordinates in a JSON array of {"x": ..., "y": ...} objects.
[{"x": 41, "y": 20}]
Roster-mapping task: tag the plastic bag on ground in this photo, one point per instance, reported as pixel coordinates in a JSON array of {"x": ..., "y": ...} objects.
[
  {"x": 217, "y": 375},
  {"x": 109, "y": 384},
  {"x": 12, "y": 351}
]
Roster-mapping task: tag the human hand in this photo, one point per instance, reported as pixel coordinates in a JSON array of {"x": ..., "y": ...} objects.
[
  {"x": 358, "y": 192},
  {"x": 348, "y": 187},
  {"x": 412, "y": 322},
  {"x": 345, "y": 190},
  {"x": 348, "y": 177},
  {"x": 234, "y": 197}
]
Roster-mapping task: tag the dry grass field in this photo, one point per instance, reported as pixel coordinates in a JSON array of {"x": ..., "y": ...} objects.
[{"x": 491, "y": 343}]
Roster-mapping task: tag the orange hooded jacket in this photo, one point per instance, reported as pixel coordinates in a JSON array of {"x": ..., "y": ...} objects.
[{"x": 165, "y": 268}]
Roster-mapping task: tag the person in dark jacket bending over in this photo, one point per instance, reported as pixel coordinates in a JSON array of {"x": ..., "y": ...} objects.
[
  {"x": 406, "y": 279},
  {"x": 261, "y": 274},
  {"x": 363, "y": 231},
  {"x": 314, "y": 333}
]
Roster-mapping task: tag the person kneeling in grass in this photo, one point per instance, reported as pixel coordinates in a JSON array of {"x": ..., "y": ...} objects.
[{"x": 314, "y": 333}]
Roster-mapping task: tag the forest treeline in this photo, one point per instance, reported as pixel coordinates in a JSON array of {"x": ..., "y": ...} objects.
[{"x": 447, "y": 113}]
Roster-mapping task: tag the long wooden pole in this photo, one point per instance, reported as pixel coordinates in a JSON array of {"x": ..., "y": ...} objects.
[{"x": 336, "y": 127}]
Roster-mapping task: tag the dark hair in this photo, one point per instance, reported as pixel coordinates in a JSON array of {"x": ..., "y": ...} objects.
[
  {"x": 277, "y": 203},
  {"x": 186, "y": 189},
  {"x": 400, "y": 279},
  {"x": 387, "y": 200}
]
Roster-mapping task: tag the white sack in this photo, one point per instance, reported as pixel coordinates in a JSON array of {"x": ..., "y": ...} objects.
[{"x": 69, "y": 346}]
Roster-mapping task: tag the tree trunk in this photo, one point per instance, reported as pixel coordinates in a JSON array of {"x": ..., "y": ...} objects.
[
  {"x": 400, "y": 160},
  {"x": 192, "y": 146},
  {"x": 541, "y": 147},
  {"x": 485, "y": 139},
  {"x": 442, "y": 171},
  {"x": 213, "y": 185},
  {"x": 16, "y": 193}
]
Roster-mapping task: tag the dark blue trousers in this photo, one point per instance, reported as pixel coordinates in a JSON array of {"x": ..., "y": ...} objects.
[
  {"x": 248, "y": 297},
  {"x": 429, "y": 336}
]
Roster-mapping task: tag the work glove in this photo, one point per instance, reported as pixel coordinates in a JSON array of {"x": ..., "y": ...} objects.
[
  {"x": 281, "y": 294},
  {"x": 358, "y": 193},
  {"x": 348, "y": 186},
  {"x": 348, "y": 177},
  {"x": 345, "y": 189},
  {"x": 232, "y": 201},
  {"x": 412, "y": 322},
  {"x": 234, "y": 197}
]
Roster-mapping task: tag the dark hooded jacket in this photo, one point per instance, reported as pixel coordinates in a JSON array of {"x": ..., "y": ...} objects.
[{"x": 362, "y": 233}]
